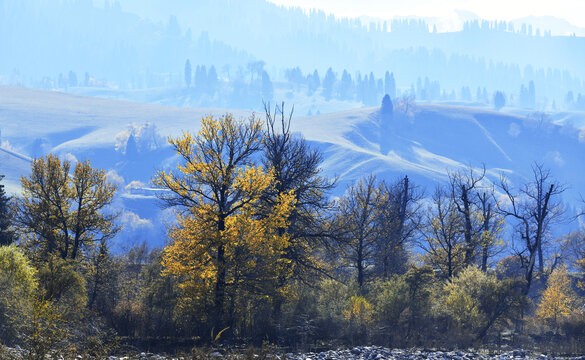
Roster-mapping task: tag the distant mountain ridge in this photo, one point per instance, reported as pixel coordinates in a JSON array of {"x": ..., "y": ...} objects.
[{"x": 144, "y": 43}]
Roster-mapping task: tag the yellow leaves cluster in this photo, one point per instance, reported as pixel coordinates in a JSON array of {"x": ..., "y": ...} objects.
[
  {"x": 253, "y": 181},
  {"x": 220, "y": 188},
  {"x": 558, "y": 299},
  {"x": 360, "y": 311},
  {"x": 462, "y": 294}
]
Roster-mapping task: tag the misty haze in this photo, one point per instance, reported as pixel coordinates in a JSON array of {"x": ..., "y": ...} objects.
[{"x": 292, "y": 179}]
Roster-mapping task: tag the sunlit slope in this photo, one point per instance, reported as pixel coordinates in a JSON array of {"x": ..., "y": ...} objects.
[
  {"x": 433, "y": 140},
  {"x": 72, "y": 122},
  {"x": 436, "y": 139}
]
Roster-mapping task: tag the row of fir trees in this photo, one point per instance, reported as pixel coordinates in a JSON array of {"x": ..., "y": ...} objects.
[{"x": 259, "y": 252}]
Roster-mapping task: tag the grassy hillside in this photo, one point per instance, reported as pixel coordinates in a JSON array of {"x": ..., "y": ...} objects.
[{"x": 426, "y": 145}]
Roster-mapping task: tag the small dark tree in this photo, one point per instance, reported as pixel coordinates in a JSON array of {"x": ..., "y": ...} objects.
[
  {"x": 391, "y": 86},
  {"x": 499, "y": 100},
  {"x": 296, "y": 167},
  {"x": 328, "y": 82},
  {"x": 212, "y": 80},
  {"x": 188, "y": 73},
  {"x": 345, "y": 88},
  {"x": 131, "y": 147},
  {"x": 6, "y": 235},
  {"x": 200, "y": 78},
  {"x": 387, "y": 108},
  {"x": 358, "y": 213},
  {"x": 315, "y": 80},
  {"x": 398, "y": 219},
  {"x": 267, "y": 87},
  {"x": 464, "y": 187},
  {"x": 531, "y": 94},
  {"x": 72, "y": 79}
]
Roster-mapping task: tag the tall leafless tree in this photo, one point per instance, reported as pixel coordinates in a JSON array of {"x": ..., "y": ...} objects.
[
  {"x": 297, "y": 167},
  {"x": 464, "y": 189},
  {"x": 399, "y": 218},
  {"x": 535, "y": 207},
  {"x": 474, "y": 199}
]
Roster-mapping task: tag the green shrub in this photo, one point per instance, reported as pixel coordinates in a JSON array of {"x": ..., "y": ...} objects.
[
  {"x": 64, "y": 286},
  {"x": 390, "y": 301},
  {"x": 44, "y": 332},
  {"x": 402, "y": 307},
  {"x": 475, "y": 302}
]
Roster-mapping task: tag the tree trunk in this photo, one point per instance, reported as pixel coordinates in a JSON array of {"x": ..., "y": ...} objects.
[
  {"x": 220, "y": 284},
  {"x": 220, "y": 277},
  {"x": 487, "y": 214},
  {"x": 540, "y": 259},
  {"x": 469, "y": 246},
  {"x": 360, "y": 268}
]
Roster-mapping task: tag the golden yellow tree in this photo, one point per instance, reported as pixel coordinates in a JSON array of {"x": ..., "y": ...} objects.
[
  {"x": 64, "y": 213},
  {"x": 220, "y": 236},
  {"x": 558, "y": 298}
]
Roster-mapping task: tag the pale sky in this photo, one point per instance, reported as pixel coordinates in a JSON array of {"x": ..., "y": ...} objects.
[{"x": 571, "y": 10}]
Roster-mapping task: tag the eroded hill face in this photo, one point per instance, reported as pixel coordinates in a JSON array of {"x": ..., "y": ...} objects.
[
  {"x": 128, "y": 140},
  {"x": 436, "y": 139}
]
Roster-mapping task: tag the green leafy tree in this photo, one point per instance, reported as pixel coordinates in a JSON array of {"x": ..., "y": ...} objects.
[
  {"x": 476, "y": 302},
  {"x": 64, "y": 286},
  {"x": 403, "y": 306},
  {"x": 62, "y": 213},
  {"x": 391, "y": 300}
]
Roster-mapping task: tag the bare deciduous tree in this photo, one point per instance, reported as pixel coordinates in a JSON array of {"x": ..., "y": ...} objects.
[
  {"x": 464, "y": 186},
  {"x": 442, "y": 238},
  {"x": 535, "y": 206},
  {"x": 475, "y": 202},
  {"x": 399, "y": 218}
]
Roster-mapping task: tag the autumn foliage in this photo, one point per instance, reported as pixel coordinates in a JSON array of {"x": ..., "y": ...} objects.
[
  {"x": 259, "y": 251},
  {"x": 226, "y": 241}
]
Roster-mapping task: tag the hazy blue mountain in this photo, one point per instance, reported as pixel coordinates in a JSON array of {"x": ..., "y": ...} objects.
[{"x": 144, "y": 44}]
